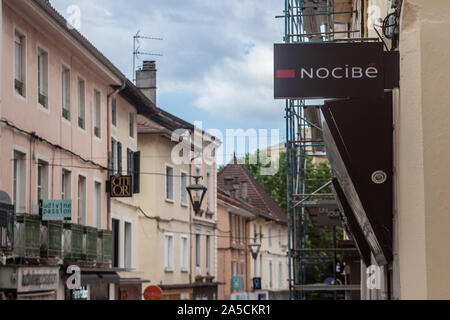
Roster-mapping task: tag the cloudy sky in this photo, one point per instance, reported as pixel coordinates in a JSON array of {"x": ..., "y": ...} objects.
[{"x": 217, "y": 63}]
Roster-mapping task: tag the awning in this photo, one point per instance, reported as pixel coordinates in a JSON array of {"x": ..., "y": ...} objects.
[
  {"x": 89, "y": 278},
  {"x": 358, "y": 136},
  {"x": 99, "y": 277},
  {"x": 109, "y": 277},
  {"x": 351, "y": 224}
]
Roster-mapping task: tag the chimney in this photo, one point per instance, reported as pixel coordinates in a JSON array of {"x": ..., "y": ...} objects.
[{"x": 146, "y": 80}]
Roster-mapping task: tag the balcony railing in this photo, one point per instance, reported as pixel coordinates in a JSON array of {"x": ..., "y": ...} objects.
[{"x": 36, "y": 239}]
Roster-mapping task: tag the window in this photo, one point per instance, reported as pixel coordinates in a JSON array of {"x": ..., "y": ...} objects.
[
  {"x": 127, "y": 245},
  {"x": 168, "y": 252},
  {"x": 81, "y": 104},
  {"x": 235, "y": 265},
  {"x": 42, "y": 180},
  {"x": 255, "y": 234},
  {"x": 255, "y": 267},
  {"x": 169, "y": 183},
  {"x": 116, "y": 157},
  {"x": 97, "y": 114},
  {"x": 209, "y": 192},
  {"x": 130, "y": 162},
  {"x": 114, "y": 111},
  {"x": 280, "y": 274},
  {"x": 233, "y": 228},
  {"x": 43, "y": 78},
  {"x": 238, "y": 229},
  {"x": 184, "y": 253},
  {"x": 20, "y": 181},
  {"x": 20, "y": 63},
  {"x": 114, "y": 162},
  {"x": 198, "y": 258},
  {"x": 66, "y": 185},
  {"x": 270, "y": 274},
  {"x": 183, "y": 191},
  {"x": 260, "y": 233},
  {"x": 242, "y": 235},
  {"x": 260, "y": 265},
  {"x": 81, "y": 200},
  {"x": 98, "y": 204},
  {"x": 270, "y": 236},
  {"x": 116, "y": 238},
  {"x": 65, "y": 76},
  {"x": 208, "y": 253},
  {"x": 131, "y": 124}
]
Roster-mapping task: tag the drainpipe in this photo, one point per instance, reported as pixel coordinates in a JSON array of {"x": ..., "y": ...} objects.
[{"x": 108, "y": 126}]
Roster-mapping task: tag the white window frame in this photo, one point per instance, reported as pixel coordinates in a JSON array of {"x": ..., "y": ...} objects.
[
  {"x": 94, "y": 114},
  {"x": 184, "y": 255},
  {"x": 65, "y": 169},
  {"x": 114, "y": 154},
  {"x": 80, "y": 221},
  {"x": 65, "y": 66},
  {"x": 166, "y": 166},
  {"x": 280, "y": 274},
  {"x": 198, "y": 248},
  {"x": 132, "y": 116},
  {"x": 40, "y": 47},
  {"x": 270, "y": 273},
  {"x": 209, "y": 193},
  {"x": 169, "y": 265},
  {"x": 17, "y": 29},
  {"x": 208, "y": 251},
  {"x": 269, "y": 235},
  {"x": 41, "y": 158},
  {"x": 125, "y": 222},
  {"x": 96, "y": 218},
  {"x": 183, "y": 190},
  {"x": 80, "y": 78},
  {"x": 24, "y": 151}
]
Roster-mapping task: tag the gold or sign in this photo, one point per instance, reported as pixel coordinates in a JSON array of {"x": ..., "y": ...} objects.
[{"x": 121, "y": 187}]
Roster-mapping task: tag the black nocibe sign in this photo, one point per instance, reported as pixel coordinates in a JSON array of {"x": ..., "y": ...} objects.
[{"x": 328, "y": 70}]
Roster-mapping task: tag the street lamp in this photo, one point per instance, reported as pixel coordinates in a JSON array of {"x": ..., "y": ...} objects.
[
  {"x": 254, "y": 249},
  {"x": 196, "y": 194}
]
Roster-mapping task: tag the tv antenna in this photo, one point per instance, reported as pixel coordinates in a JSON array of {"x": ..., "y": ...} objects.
[{"x": 136, "y": 50}]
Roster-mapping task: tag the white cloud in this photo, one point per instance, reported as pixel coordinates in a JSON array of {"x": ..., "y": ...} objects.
[{"x": 241, "y": 87}]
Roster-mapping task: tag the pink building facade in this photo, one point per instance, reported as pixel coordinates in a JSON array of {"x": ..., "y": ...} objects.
[{"x": 54, "y": 117}]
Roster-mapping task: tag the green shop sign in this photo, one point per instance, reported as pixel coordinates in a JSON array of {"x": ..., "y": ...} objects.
[{"x": 56, "y": 210}]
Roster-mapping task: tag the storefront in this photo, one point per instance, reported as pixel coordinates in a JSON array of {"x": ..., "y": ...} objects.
[
  {"x": 130, "y": 289},
  {"x": 95, "y": 285},
  {"x": 18, "y": 282}
]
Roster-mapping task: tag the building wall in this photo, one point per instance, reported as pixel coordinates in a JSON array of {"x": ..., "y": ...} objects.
[
  {"x": 26, "y": 114},
  {"x": 205, "y": 225},
  {"x": 174, "y": 217},
  {"x": 276, "y": 253},
  {"x": 422, "y": 145},
  {"x": 126, "y": 209}
]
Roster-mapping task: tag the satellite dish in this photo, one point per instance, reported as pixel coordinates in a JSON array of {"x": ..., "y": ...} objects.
[{"x": 5, "y": 198}]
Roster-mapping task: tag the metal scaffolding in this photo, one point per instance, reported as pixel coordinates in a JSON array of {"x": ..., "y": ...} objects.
[{"x": 309, "y": 21}]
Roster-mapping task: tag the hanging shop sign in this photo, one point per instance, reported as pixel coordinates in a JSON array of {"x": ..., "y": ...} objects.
[
  {"x": 121, "y": 186},
  {"x": 328, "y": 70},
  {"x": 236, "y": 283},
  {"x": 323, "y": 213},
  {"x": 56, "y": 210},
  {"x": 257, "y": 283}
]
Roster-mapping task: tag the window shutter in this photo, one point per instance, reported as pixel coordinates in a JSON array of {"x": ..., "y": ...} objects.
[
  {"x": 119, "y": 157},
  {"x": 137, "y": 172}
]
